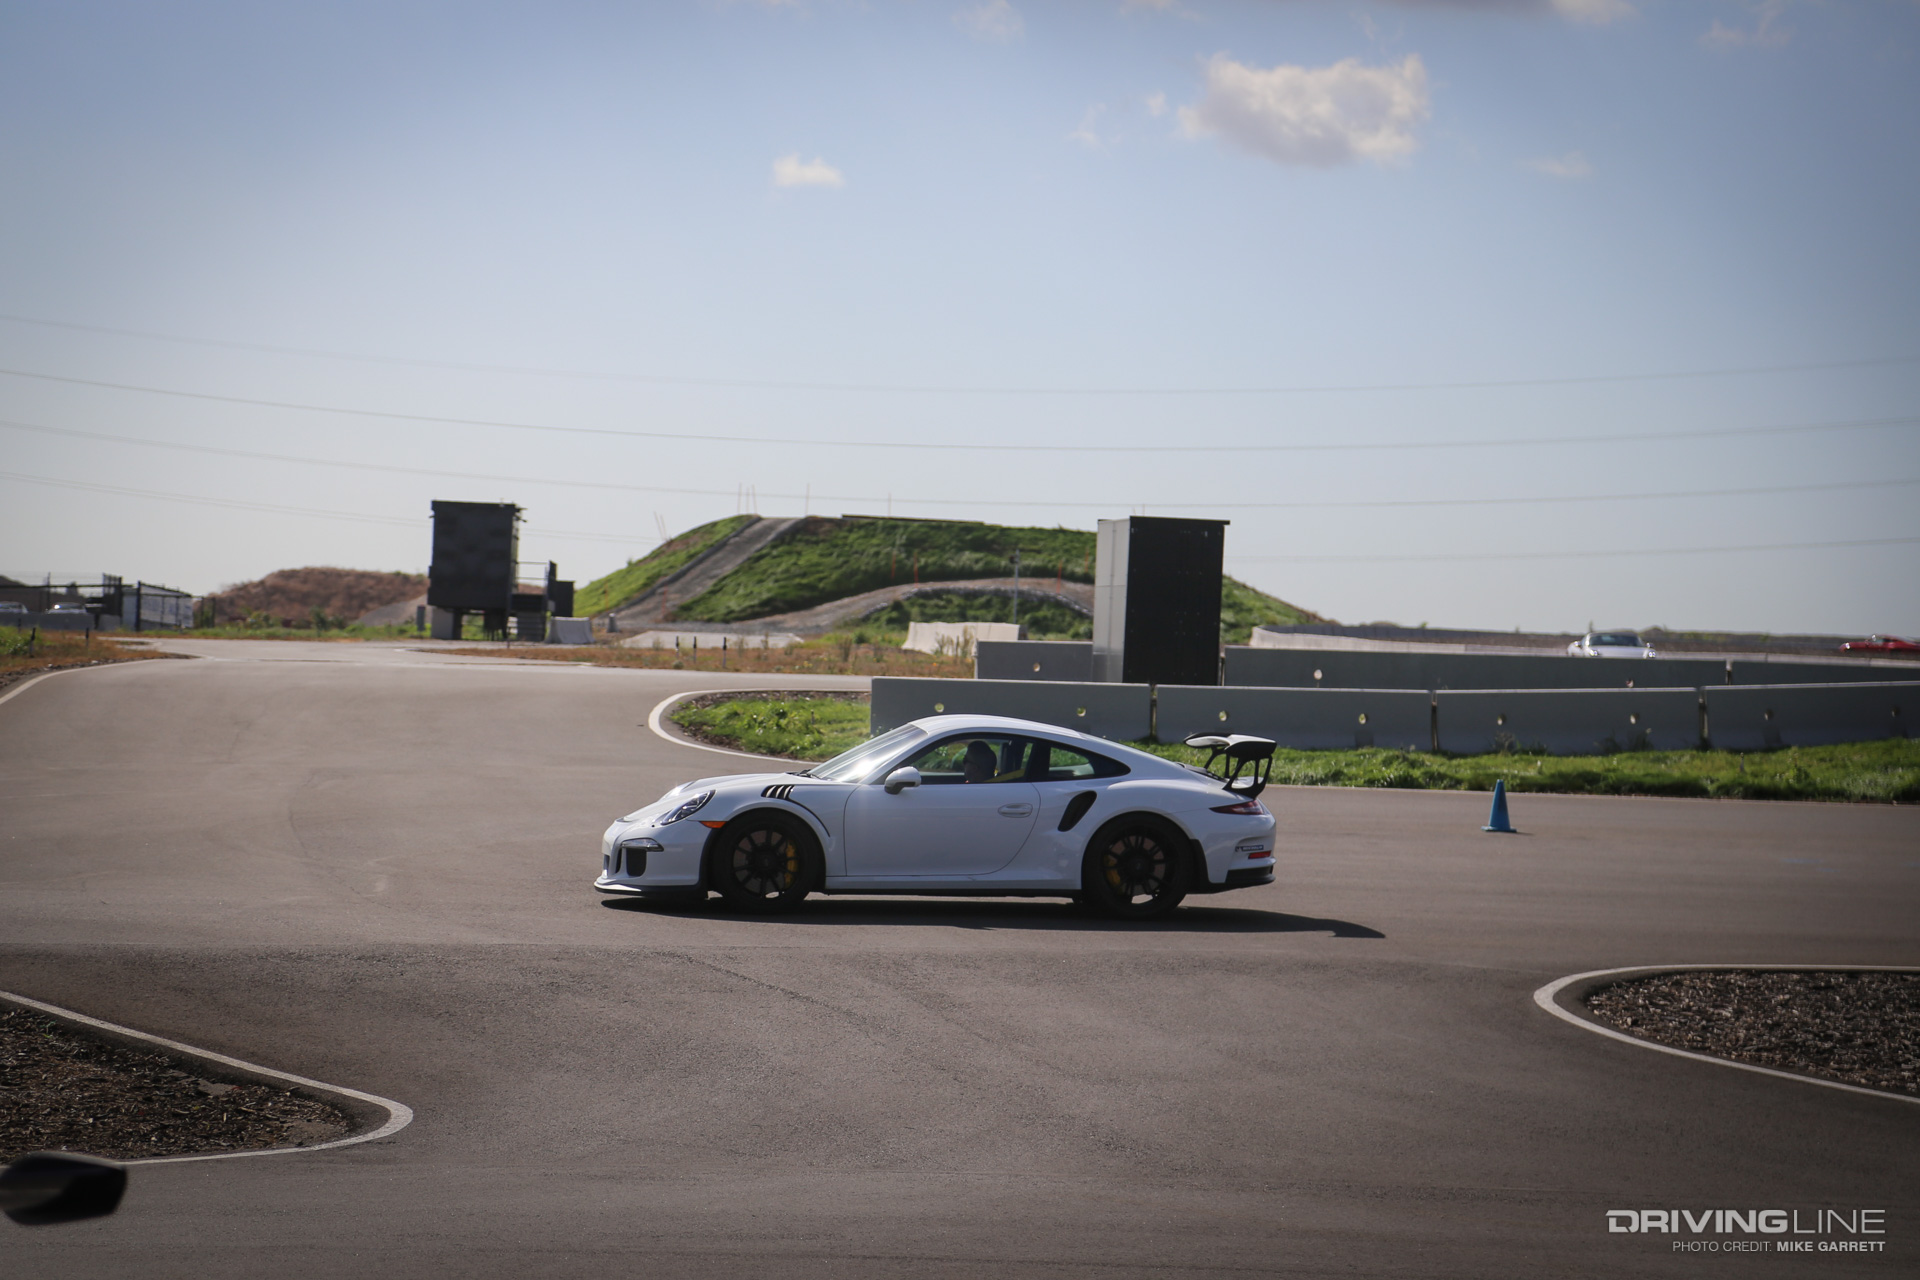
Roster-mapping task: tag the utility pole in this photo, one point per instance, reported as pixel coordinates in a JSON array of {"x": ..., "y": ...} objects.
[{"x": 1016, "y": 586}]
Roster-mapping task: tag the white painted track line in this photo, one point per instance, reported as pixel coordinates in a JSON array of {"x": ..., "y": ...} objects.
[
  {"x": 399, "y": 1115},
  {"x": 655, "y": 722},
  {"x": 1547, "y": 998}
]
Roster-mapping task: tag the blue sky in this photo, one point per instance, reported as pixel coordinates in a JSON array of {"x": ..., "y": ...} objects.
[{"x": 1480, "y": 314}]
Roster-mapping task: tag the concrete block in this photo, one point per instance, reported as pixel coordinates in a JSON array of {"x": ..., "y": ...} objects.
[
  {"x": 1752, "y": 717},
  {"x": 570, "y": 631},
  {"x": 1033, "y": 660},
  {"x": 1116, "y": 711},
  {"x": 1306, "y": 718},
  {"x": 1569, "y": 722},
  {"x": 956, "y": 637}
]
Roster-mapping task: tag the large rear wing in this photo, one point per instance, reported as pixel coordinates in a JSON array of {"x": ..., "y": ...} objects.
[{"x": 1249, "y": 760}]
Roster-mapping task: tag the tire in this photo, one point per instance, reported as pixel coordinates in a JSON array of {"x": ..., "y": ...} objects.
[
  {"x": 765, "y": 861},
  {"x": 1136, "y": 868}
]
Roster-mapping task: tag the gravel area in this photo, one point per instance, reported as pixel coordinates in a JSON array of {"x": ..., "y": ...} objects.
[
  {"x": 1858, "y": 1028},
  {"x": 62, "y": 1092}
]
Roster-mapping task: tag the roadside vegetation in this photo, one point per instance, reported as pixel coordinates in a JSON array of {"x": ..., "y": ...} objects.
[
  {"x": 801, "y": 726},
  {"x": 1887, "y": 771},
  {"x": 637, "y": 576},
  {"x": 28, "y": 651},
  {"x": 1884, "y": 771}
]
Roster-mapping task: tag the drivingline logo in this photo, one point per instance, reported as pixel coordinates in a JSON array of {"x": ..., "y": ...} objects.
[{"x": 1839, "y": 1230}]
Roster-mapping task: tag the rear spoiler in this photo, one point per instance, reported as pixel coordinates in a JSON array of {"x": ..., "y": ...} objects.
[{"x": 1249, "y": 760}]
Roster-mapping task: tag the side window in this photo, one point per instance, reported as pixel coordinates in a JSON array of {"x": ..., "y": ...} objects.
[
  {"x": 1064, "y": 764},
  {"x": 972, "y": 758}
]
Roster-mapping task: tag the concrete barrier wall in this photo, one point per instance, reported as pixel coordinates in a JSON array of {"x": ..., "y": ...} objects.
[
  {"x": 57, "y": 621},
  {"x": 1802, "y": 671},
  {"x": 1304, "y": 718},
  {"x": 1296, "y": 668},
  {"x": 1120, "y": 712},
  {"x": 1568, "y": 722},
  {"x": 1749, "y": 717},
  {"x": 1033, "y": 660}
]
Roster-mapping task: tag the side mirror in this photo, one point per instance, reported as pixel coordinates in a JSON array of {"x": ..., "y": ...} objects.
[
  {"x": 900, "y": 779},
  {"x": 45, "y": 1188}
]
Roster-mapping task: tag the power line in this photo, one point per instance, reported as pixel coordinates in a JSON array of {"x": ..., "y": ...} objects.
[
  {"x": 948, "y": 446},
  {"x": 1578, "y": 555},
  {"x": 236, "y": 504},
  {"x": 1367, "y": 504},
  {"x": 770, "y": 384},
  {"x": 278, "y": 509}
]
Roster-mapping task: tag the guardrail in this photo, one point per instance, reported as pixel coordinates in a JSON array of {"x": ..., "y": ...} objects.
[{"x": 1465, "y": 722}]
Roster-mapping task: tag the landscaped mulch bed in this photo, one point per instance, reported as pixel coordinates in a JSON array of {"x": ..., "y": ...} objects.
[
  {"x": 62, "y": 1092},
  {"x": 1860, "y": 1028}
]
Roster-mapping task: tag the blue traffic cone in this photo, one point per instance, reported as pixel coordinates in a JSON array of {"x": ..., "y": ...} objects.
[{"x": 1497, "y": 820}]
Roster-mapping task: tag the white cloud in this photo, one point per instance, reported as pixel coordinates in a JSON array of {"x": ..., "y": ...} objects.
[
  {"x": 994, "y": 20},
  {"x": 1571, "y": 165},
  {"x": 1764, "y": 32},
  {"x": 791, "y": 171},
  {"x": 1088, "y": 134},
  {"x": 1319, "y": 116},
  {"x": 1156, "y": 105}
]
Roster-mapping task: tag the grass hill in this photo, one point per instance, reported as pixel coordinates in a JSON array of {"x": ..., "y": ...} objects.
[
  {"x": 290, "y": 596},
  {"x": 823, "y": 559},
  {"x": 636, "y": 576}
]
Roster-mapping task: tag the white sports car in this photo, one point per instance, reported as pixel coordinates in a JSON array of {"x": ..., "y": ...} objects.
[{"x": 961, "y": 805}]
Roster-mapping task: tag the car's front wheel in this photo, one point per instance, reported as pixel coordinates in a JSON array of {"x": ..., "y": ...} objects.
[
  {"x": 1136, "y": 868},
  {"x": 764, "y": 862}
]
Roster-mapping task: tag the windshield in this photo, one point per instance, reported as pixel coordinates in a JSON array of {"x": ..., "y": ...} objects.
[
  {"x": 1623, "y": 639},
  {"x": 855, "y": 765}
]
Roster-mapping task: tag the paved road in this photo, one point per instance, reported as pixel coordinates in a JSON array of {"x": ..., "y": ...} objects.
[{"x": 372, "y": 866}]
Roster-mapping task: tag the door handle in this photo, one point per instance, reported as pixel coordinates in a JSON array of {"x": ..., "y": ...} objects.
[{"x": 1018, "y": 810}]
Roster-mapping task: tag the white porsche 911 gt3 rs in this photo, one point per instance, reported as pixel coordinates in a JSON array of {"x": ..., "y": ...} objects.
[{"x": 961, "y": 805}]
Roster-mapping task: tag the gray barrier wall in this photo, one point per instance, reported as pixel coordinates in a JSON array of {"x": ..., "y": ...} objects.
[
  {"x": 1802, "y": 671},
  {"x": 58, "y": 621},
  {"x": 1121, "y": 712},
  {"x": 1307, "y": 718},
  {"x": 1745, "y": 718},
  {"x": 1033, "y": 660},
  {"x": 1341, "y": 669},
  {"x": 1568, "y": 722}
]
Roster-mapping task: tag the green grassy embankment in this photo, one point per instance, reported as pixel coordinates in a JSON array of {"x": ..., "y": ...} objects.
[
  {"x": 1887, "y": 771},
  {"x": 826, "y": 559},
  {"x": 1043, "y": 620},
  {"x": 636, "y": 576}
]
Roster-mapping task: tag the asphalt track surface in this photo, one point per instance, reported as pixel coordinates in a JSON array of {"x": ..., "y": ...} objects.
[{"x": 372, "y": 867}]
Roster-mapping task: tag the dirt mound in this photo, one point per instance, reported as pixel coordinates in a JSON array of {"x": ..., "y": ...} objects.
[{"x": 291, "y": 595}]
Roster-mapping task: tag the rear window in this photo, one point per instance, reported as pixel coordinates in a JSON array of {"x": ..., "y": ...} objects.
[
  {"x": 1055, "y": 763},
  {"x": 1619, "y": 639}
]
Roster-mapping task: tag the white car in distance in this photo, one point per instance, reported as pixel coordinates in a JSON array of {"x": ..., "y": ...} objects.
[
  {"x": 957, "y": 805},
  {"x": 1610, "y": 644}
]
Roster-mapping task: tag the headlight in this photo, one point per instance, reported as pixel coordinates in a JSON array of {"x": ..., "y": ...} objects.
[{"x": 684, "y": 810}]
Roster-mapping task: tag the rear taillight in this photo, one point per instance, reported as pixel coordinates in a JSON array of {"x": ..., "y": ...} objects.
[{"x": 1249, "y": 807}]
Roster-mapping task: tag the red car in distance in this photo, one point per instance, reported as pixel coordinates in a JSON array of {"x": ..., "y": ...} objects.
[{"x": 1880, "y": 644}]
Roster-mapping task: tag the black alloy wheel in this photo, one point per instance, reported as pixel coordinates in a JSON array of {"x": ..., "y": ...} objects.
[
  {"x": 764, "y": 862},
  {"x": 1135, "y": 869}
]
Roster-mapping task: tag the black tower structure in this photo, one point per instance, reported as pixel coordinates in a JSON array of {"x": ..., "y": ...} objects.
[
  {"x": 475, "y": 553},
  {"x": 1156, "y": 600}
]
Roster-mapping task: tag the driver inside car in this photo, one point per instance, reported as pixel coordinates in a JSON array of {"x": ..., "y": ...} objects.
[{"x": 980, "y": 764}]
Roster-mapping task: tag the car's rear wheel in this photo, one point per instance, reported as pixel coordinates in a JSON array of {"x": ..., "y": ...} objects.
[
  {"x": 764, "y": 862},
  {"x": 1136, "y": 868}
]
